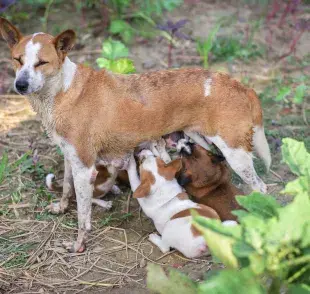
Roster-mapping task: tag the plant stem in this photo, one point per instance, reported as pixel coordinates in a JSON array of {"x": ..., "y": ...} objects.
[
  {"x": 275, "y": 286},
  {"x": 170, "y": 52},
  {"x": 293, "y": 45},
  {"x": 46, "y": 14}
]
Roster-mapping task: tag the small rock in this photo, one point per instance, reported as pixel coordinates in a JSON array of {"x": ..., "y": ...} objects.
[
  {"x": 142, "y": 263},
  {"x": 149, "y": 64}
]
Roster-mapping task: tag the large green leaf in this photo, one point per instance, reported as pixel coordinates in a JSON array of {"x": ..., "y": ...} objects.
[
  {"x": 219, "y": 239},
  {"x": 173, "y": 283},
  {"x": 291, "y": 226},
  {"x": 295, "y": 155},
  {"x": 232, "y": 282},
  {"x": 112, "y": 49},
  {"x": 259, "y": 204},
  {"x": 123, "y": 66},
  {"x": 300, "y": 185},
  {"x": 122, "y": 28},
  {"x": 299, "y": 289}
]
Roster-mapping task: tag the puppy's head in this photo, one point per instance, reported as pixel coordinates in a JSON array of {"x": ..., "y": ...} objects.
[
  {"x": 154, "y": 172},
  {"x": 201, "y": 168},
  {"x": 36, "y": 58}
]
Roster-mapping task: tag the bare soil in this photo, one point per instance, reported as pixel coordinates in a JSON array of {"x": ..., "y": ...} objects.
[{"x": 32, "y": 259}]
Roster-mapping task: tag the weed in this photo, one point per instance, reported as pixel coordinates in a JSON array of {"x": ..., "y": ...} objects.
[
  {"x": 114, "y": 216},
  {"x": 204, "y": 47},
  {"x": 114, "y": 57},
  {"x": 173, "y": 29}
]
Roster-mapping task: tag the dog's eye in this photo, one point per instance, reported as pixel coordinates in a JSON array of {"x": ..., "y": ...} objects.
[
  {"x": 40, "y": 63},
  {"x": 19, "y": 59}
]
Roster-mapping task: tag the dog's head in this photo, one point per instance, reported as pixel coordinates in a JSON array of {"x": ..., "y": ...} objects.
[
  {"x": 36, "y": 58},
  {"x": 154, "y": 172},
  {"x": 201, "y": 168}
]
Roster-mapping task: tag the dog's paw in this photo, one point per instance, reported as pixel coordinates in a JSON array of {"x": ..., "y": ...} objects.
[
  {"x": 74, "y": 247},
  {"x": 54, "y": 208}
]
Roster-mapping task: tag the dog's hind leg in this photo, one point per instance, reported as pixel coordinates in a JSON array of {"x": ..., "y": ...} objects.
[
  {"x": 198, "y": 139},
  {"x": 241, "y": 162},
  {"x": 158, "y": 241},
  {"x": 68, "y": 192}
]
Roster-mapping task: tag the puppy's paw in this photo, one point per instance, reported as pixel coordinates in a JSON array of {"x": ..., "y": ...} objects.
[
  {"x": 116, "y": 190},
  {"x": 106, "y": 205},
  {"x": 54, "y": 208},
  {"x": 74, "y": 247}
]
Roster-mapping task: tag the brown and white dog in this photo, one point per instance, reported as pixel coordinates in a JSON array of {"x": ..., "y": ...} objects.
[
  {"x": 92, "y": 114},
  {"x": 206, "y": 177},
  {"x": 163, "y": 200}
]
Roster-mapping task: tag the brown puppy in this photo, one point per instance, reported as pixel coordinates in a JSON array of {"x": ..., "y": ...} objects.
[{"x": 207, "y": 178}]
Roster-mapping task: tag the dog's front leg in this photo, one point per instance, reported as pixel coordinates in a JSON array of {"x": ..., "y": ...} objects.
[
  {"x": 83, "y": 183},
  {"x": 68, "y": 191}
]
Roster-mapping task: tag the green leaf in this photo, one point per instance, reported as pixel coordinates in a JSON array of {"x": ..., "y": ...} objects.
[
  {"x": 242, "y": 249},
  {"x": 295, "y": 155},
  {"x": 240, "y": 214},
  {"x": 122, "y": 28},
  {"x": 299, "y": 289},
  {"x": 231, "y": 282},
  {"x": 173, "y": 283},
  {"x": 219, "y": 239},
  {"x": 259, "y": 204},
  {"x": 19, "y": 161},
  {"x": 171, "y": 4},
  {"x": 103, "y": 63},
  {"x": 300, "y": 185},
  {"x": 300, "y": 94},
  {"x": 123, "y": 66},
  {"x": 112, "y": 49},
  {"x": 283, "y": 92},
  {"x": 3, "y": 166}
]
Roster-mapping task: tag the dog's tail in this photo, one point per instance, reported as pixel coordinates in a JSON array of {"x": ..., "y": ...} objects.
[
  {"x": 51, "y": 184},
  {"x": 259, "y": 139}
]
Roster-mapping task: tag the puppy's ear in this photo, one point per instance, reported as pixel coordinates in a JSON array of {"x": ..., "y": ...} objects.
[
  {"x": 147, "y": 180},
  {"x": 217, "y": 158},
  {"x": 65, "y": 41},
  {"x": 9, "y": 32},
  {"x": 168, "y": 171}
]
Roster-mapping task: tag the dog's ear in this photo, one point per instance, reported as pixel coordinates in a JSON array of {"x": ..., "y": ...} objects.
[
  {"x": 144, "y": 189},
  {"x": 65, "y": 41},
  {"x": 9, "y": 32},
  {"x": 217, "y": 158}
]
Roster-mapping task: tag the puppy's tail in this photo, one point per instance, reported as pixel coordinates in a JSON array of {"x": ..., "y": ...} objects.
[
  {"x": 261, "y": 145},
  {"x": 51, "y": 184}
]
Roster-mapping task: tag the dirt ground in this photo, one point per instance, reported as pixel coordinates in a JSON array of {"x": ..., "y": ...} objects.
[{"x": 32, "y": 259}]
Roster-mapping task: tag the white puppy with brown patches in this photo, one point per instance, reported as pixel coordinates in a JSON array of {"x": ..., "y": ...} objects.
[{"x": 163, "y": 200}]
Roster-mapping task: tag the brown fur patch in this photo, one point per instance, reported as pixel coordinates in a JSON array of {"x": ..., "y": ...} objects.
[
  {"x": 211, "y": 183},
  {"x": 168, "y": 171},
  {"x": 147, "y": 180},
  {"x": 202, "y": 210}
]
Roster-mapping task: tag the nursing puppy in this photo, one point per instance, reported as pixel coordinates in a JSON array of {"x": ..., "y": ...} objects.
[
  {"x": 206, "y": 177},
  {"x": 97, "y": 114},
  {"x": 163, "y": 200}
]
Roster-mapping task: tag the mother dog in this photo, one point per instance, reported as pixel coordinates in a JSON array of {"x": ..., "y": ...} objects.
[{"x": 93, "y": 115}]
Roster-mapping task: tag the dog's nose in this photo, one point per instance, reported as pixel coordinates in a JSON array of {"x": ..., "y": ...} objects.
[{"x": 22, "y": 85}]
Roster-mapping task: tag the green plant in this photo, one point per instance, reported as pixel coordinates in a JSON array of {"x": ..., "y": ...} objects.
[
  {"x": 268, "y": 252},
  {"x": 204, "y": 47},
  {"x": 114, "y": 57}
]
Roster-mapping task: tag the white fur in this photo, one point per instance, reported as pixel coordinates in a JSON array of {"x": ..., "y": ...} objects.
[
  {"x": 161, "y": 205},
  {"x": 27, "y": 71},
  {"x": 261, "y": 145},
  {"x": 69, "y": 70},
  {"x": 207, "y": 86},
  {"x": 159, "y": 149},
  {"x": 198, "y": 139},
  {"x": 242, "y": 163},
  {"x": 104, "y": 204},
  {"x": 49, "y": 181}
]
